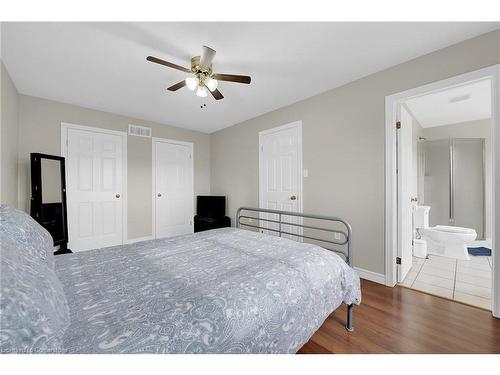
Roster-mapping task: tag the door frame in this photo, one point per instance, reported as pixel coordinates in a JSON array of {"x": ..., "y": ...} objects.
[
  {"x": 405, "y": 183},
  {"x": 391, "y": 105},
  {"x": 300, "y": 170},
  {"x": 65, "y": 126},
  {"x": 153, "y": 179}
]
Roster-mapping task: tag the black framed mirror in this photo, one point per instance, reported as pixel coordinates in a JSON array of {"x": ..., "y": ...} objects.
[{"x": 48, "y": 197}]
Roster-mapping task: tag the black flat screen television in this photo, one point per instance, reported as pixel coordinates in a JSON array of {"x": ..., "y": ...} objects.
[{"x": 212, "y": 206}]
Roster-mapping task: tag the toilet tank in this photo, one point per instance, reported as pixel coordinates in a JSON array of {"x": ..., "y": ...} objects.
[{"x": 421, "y": 216}]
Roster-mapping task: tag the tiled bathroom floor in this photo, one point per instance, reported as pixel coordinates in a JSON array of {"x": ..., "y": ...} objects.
[{"x": 460, "y": 280}]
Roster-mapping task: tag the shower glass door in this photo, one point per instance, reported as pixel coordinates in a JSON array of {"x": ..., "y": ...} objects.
[
  {"x": 468, "y": 184},
  {"x": 437, "y": 181},
  {"x": 454, "y": 182}
]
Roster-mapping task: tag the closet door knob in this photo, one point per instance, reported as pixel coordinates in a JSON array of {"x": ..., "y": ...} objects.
[
  {"x": 293, "y": 197},
  {"x": 159, "y": 194},
  {"x": 117, "y": 195}
]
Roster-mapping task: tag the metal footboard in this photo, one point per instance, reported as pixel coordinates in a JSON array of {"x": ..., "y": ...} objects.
[{"x": 341, "y": 238}]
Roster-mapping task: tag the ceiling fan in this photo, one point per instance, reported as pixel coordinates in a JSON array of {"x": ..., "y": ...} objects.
[{"x": 204, "y": 78}]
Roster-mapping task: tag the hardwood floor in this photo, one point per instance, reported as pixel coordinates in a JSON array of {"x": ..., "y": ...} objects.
[{"x": 401, "y": 320}]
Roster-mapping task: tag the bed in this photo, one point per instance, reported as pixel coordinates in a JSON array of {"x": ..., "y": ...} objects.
[{"x": 221, "y": 291}]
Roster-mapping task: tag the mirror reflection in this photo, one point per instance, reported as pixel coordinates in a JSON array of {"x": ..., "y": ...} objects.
[
  {"x": 51, "y": 181},
  {"x": 52, "y": 206}
]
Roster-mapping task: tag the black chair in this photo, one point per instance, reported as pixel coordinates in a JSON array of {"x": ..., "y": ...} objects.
[{"x": 210, "y": 213}]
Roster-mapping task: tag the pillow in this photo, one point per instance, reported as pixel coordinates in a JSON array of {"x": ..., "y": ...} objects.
[
  {"x": 34, "y": 313},
  {"x": 34, "y": 238}
]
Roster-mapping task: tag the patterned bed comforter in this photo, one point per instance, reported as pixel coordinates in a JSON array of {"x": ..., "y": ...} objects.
[{"x": 220, "y": 291}]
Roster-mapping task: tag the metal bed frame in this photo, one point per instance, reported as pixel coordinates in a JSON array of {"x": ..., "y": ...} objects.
[{"x": 347, "y": 235}]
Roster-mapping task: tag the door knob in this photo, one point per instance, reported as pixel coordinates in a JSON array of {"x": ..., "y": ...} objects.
[
  {"x": 293, "y": 197},
  {"x": 414, "y": 199},
  {"x": 117, "y": 195},
  {"x": 159, "y": 194}
]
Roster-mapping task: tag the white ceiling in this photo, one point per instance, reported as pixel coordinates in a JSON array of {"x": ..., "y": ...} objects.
[
  {"x": 103, "y": 65},
  {"x": 463, "y": 103}
]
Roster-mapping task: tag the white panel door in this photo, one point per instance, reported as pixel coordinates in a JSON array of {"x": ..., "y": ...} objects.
[
  {"x": 173, "y": 188},
  {"x": 94, "y": 189},
  {"x": 280, "y": 175},
  {"x": 405, "y": 206}
]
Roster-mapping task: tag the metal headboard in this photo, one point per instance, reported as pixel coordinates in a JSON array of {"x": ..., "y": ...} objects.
[{"x": 347, "y": 234}]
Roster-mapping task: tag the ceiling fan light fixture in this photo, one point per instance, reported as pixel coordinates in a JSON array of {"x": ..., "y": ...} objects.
[
  {"x": 211, "y": 83},
  {"x": 192, "y": 83},
  {"x": 202, "y": 80},
  {"x": 201, "y": 92}
]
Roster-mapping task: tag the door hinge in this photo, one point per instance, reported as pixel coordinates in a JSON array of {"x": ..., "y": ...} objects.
[
  {"x": 398, "y": 125},
  {"x": 398, "y": 260}
]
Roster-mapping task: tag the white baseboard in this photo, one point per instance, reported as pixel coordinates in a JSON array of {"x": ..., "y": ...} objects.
[
  {"x": 370, "y": 275},
  {"x": 138, "y": 239}
]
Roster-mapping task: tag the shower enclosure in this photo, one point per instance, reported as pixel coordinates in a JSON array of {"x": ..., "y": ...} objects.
[{"x": 452, "y": 182}]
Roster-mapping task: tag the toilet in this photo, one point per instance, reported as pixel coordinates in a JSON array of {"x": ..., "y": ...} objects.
[{"x": 442, "y": 240}]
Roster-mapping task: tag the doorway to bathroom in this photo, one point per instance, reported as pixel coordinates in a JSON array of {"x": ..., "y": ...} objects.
[
  {"x": 444, "y": 188},
  {"x": 440, "y": 196}
]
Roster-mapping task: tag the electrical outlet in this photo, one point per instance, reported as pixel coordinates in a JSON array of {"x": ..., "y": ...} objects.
[{"x": 337, "y": 236}]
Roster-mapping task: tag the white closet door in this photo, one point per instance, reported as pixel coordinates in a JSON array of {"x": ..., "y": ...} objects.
[
  {"x": 280, "y": 175},
  {"x": 174, "y": 188},
  {"x": 94, "y": 189}
]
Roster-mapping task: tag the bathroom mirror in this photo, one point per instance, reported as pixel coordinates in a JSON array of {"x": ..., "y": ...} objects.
[{"x": 48, "y": 196}]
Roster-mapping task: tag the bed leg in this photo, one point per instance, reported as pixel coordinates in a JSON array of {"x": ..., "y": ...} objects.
[{"x": 348, "y": 326}]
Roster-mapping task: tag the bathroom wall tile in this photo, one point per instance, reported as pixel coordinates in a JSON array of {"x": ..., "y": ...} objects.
[
  {"x": 410, "y": 278},
  {"x": 437, "y": 264},
  {"x": 416, "y": 260},
  {"x": 435, "y": 280},
  {"x": 485, "y": 303},
  {"x": 475, "y": 272},
  {"x": 430, "y": 269},
  {"x": 472, "y": 289},
  {"x": 464, "y": 281},
  {"x": 433, "y": 289},
  {"x": 477, "y": 260},
  {"x": 416, "y": 267},
  {"x": 485, "y": 282},
  {"x": 479, "y": 279},
  {"x": 439, "y": 259},
  {"x": 464, "y": 266}
]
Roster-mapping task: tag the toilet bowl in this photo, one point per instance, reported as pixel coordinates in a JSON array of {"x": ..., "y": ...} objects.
[{"x": 449, "y": 241}]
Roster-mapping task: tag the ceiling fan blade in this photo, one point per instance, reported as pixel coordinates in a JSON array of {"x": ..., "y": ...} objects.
[
  {"x": 216, "y": 94},
  {"x": 207, "y": 57},
  {"x": 232, "y": 78},
  {"x": 177, "y": 86},
  {"x": 169, "y": 64}
]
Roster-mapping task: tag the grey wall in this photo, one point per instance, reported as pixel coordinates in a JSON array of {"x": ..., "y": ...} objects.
[
  {"x": 9, "y": 135},
  {"x": 472, "y": 129},
  {"x": 343, "y": 144},
  {"x": 40, "y": 131}
]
